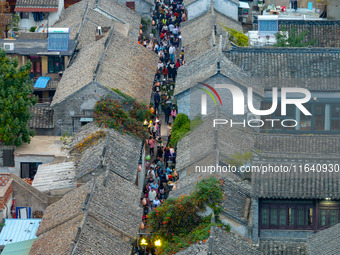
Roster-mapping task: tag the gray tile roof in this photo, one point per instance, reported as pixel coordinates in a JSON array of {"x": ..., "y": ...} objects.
[
  {"x": 205, "y": 66},
  {"x": 325, "y": 242},
  {"x": 93, "y": 239},
  {"x": 80, "y": 73},
  {"x": 231, "y": 243},
  {"x": 198, "y": 34},
  {"x": 122, "y": 14},
  {"x": 293, "y": 152},
  {"x": 312, "y": 68},
  {"x": 55, "y": 176},
  {"x": 129, "y": 67},
  {"x": 201, "y": 142},
  {"x": 324, "y": 31},
  {"x": 42, "y": 117},
  {"x": 119, "y": 153},
  {"x": 109, "y": 200},
  {"x": 221, "y": 242},
  {"x": 58, "y": 240},
  {"x": 123, "y": 64},
  {"x": 36, "y": 3},
  {"x": 71, "y": 18},
  {"x": 84, "y": 17},
  {"x": 283, "y": 248},
  {"x": 296, "y": 184},
  {"x": 235, "y": 190},
  {"x": 198, "y": 70},
  {"x": 294, "y": 146}
]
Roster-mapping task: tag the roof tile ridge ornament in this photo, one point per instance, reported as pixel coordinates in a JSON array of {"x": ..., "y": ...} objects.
[
  {"x": 102, "y": 56},
  {"x": 211, "y": 237},
  {"x": 213, "y": 23},
  {"x": 216, "y": 143},
  {"x": 83, "y": 222}
]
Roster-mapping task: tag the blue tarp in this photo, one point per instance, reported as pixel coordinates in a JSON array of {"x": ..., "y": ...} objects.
[{"x": 42, "y": 82}]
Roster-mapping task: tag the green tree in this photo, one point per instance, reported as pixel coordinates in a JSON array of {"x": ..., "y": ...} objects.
[
  {"x": 16, "y": 99},
  {"x": 294, "y": 39}
]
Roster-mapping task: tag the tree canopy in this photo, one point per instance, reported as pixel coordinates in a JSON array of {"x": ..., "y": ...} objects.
[
  {"x": 16, "y": 99},
  {"x": 294, "y": 39}
]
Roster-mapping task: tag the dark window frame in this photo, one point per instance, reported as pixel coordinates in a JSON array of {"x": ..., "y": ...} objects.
[{"x": 286, "y": 207}]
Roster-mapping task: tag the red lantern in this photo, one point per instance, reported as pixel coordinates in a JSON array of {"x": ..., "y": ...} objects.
[
  {"x": 141, "y": 25},
  {"x": 140, "y": 31},
  {"x": 139, "y": 168},
  {"x": 153, "y": 22},
  {"x": 141, "y": 225}
]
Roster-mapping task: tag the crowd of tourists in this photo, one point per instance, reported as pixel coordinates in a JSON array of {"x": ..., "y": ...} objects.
[{"x": 165, "y": 41}]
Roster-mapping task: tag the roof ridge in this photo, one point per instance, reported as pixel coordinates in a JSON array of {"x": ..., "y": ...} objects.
[{"x": 102, "y": 56}]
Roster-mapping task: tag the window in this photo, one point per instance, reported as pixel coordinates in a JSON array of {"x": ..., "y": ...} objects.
[
  {"x": 335, "y": 117},
  {"x": 325, "y": 118},
  {"x": 319, "y": 117},
  {"x": 265, "y": 216},
  {"x": 329, "y": 216},
  {"x": 29, "y": 169},
  {"x": 285, "y": 216},
  {"x": 24, "y": 15},
  {"x": 55, "y": 64},
  {"x": 305, "y": 120},
  {"x": 8, "y": 158}
]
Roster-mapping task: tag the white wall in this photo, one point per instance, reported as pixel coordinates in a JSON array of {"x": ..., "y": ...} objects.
[
  {"x": 226, "y": 7},
  {"x": 52, "y": 18},
  {"x": 18, "y": 160},
  {"x": 196, "y": 8}
]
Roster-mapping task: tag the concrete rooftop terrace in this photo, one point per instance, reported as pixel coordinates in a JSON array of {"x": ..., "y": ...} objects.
[{"x": 42, "y": 145}]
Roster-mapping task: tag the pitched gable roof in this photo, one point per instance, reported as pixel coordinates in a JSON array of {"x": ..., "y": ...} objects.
[
  {"x": 80, "y": 73},
  {"x": 205, "y": 139},
  {"x": 325, "y": 241},
  {"x": 296, "y": 184},
  {"x": 206, "y": 65},
  {"x": 116, "y": 152},
  {"x": 198, "y": 39},
  {"x": 312, "y": 68},
  {"x": 114, "y": 61},
  {"x": 42, "y": 117},
  {"x": 108, "y": 202},
  {"x": 37, "y": 3},
  {"x": 221, "y": 242},
  {"x": 84, "y": 17}
]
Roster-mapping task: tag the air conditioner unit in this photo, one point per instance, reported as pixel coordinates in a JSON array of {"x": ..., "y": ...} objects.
[{"x": 9, "y": 46}]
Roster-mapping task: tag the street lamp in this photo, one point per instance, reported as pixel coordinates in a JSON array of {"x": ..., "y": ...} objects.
[
  {"x": 143, "y": 242},
  {"x": 158, "y": 243}
]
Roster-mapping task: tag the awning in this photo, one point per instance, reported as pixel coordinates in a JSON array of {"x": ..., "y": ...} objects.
[
  {"x": 42, "y": 82},
  {"x": 86, "y": 119},
  {"x": 35, "y": 9},
  {"x": 18, "y": 248},
  {"x": 244, "y": 5}
]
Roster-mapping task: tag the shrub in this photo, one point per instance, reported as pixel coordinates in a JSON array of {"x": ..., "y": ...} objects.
[
  {"x": 236, "y": 37},
  {"x": 32, "y": 29},
  {"x": 111, "y": 113},
  {"x": 180, "y": 128},
  {"x": 177, "y": 222}
]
